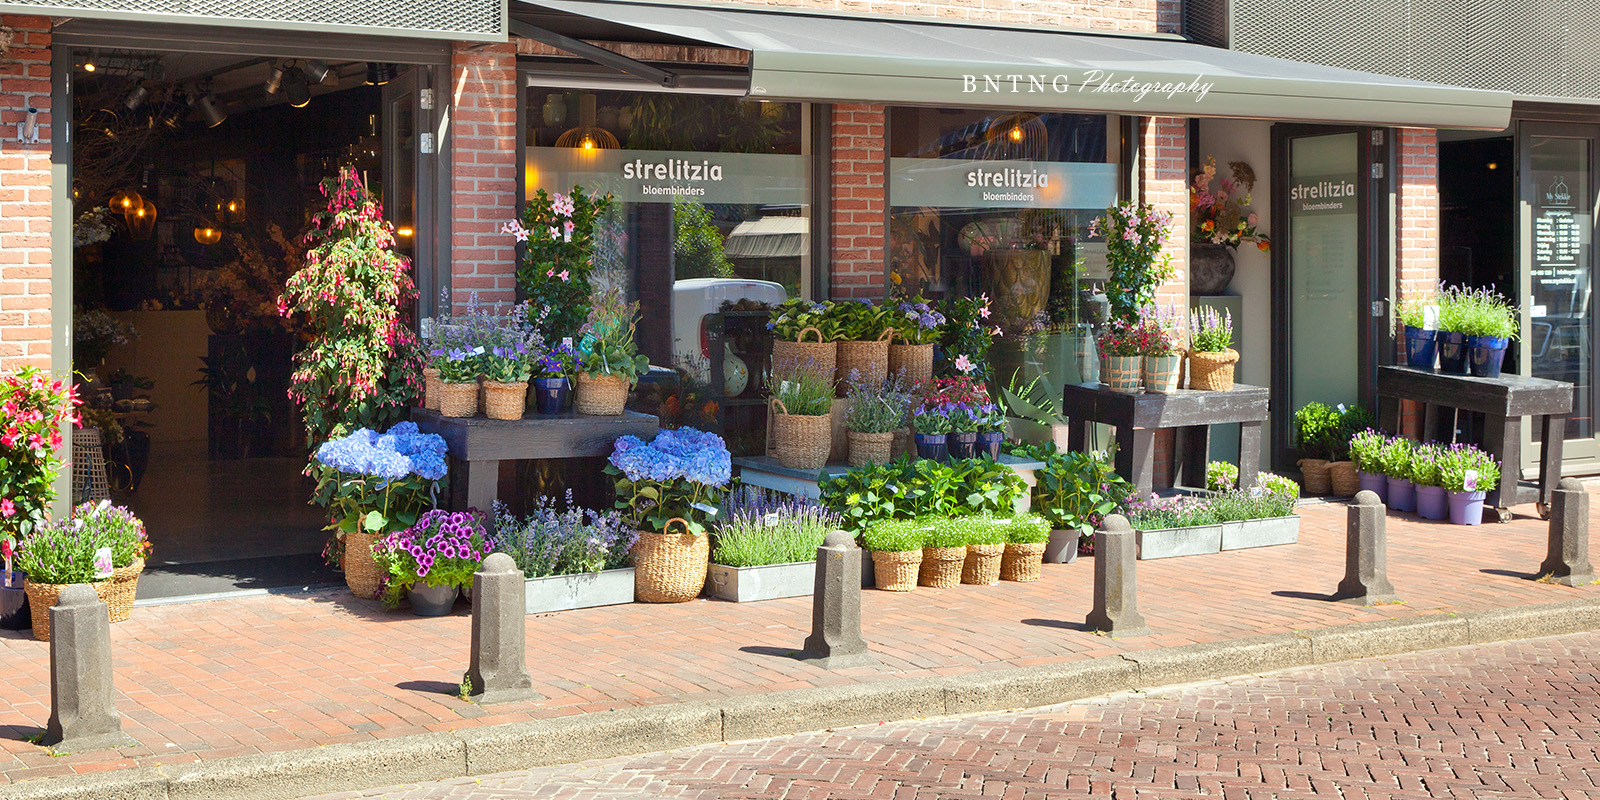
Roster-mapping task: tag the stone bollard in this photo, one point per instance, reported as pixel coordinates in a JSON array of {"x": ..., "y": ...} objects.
[
  {"x": 1116, "y": 554},
  {"x": 835, "y": 641},
  {"x": 83, "y": 709},
  {"x": 1568, "y": 559},
  {"x": 1366, "y": 554},
  {"x": 499, "y": 669}
]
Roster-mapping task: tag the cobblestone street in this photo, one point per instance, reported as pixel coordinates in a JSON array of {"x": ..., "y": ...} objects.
[{"x": 1518, "y": 720}]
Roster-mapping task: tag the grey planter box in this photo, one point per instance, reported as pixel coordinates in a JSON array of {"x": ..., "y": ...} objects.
[
  {"x": 566, "y": 592},
  {"x": 1062, "y": 547},
  {"x": 1174, "y": 542},
  {"x": 1261, "y": 532},
  {"x": 767, "y": 582}
]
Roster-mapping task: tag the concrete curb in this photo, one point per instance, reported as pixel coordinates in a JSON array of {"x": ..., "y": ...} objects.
[{"x": 648, "y": 729}]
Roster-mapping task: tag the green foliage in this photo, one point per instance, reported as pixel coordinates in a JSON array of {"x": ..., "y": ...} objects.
[
  {"x": 1076, "y": 490},
  {"x": 895, "y": 535},
  {"x": 1186, "y": 511},
  {"x": 362, "y": 367},
  {"x": 802, "y": 392},
  {"x": 1394, "y": 458},
  {"x": 64, "y": 551},
  {"x": 1424, "y": 470},
  {"x": 771, "y": 530},
  {"x": 33, "y": 409},
  {"x": 1412, "y": 313},
  {"x": 879, "y": 407},
  {"x": 1456, "y": 461},
  {"x": 860, "y": 320},
  {"x": 1277, "y": 484},
  {"x": 1221, "y": 476},
  {"x": 608, "y": 347},
  {"x": 1134, "y": 234},
  {"x": 1364, "y": 449},
  {"x": 796, "y": 314},
  {"x": 556, "y": 238},
  {"x": 957, "y": 531},
  {"x": 1028, "y": 529},
  {"x": 1319, "y": 431},
  {"x": 968, "y": 332},
  {"x": 911, "y": 489},
  {"x": 1031, "y": 402},
  {"x": 1477, "y": 312},
  {"x": 697, "y": 245},
  {"x": 983, "y": 485}
]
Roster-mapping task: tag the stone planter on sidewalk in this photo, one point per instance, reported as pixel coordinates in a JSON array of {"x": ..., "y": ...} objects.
[
  {"x": 1201, "y": 540},
  {"x": 587, "y": 590},
  {"x": 766, "y": 582}
]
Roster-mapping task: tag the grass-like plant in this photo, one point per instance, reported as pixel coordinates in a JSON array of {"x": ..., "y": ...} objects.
[
  {"x": 1028, "y": 529},
  {"x": 803, "y": 392},
  {"x": 896, "y": 536},
  {"x": 878, "y": 407},
  {"x": 1477, "y": 312},
  {"x": 761, "y": 527},
  {"x": 956, "y": 531}
]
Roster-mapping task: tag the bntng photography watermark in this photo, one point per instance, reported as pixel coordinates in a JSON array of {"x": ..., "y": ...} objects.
[{"x": 1094, "y": 81}]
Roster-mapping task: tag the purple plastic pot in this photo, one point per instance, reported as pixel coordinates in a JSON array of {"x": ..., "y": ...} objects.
[
  {"x": 551, "y": 394},
  {"x": 1433, "y": 502},
  {"x": 1375, "y": 482},
  {"x": 1402, "y": 494},
  {"x": 989, "y": 443},
  {"x": 962, "y": 445},
  {"x": 1420, "y": 348},
  {"x": 930, "y": 445},
  {"x": 1466, "y": 508},
  {"x": 1453, "y": 353},
  {"x": 1487, "y": 353}
]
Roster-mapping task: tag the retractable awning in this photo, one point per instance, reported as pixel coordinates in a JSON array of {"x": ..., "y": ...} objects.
[{"x": 836, "y": 58}]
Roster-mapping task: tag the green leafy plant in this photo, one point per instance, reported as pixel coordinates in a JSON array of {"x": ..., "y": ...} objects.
[
  {"x": 868, "y": 495},
  {"x": 1135, "y": 234},
  {"x": 878, "y": 407},
  {"x": 1317, "y": 430},
  {"x": 957, "y": 531},
  {"x": 462, "y": 365},
  {"x": 1477, "y": 312},
  {"x": 803, "y": 392},
  {"x": 1221, "y": 476},
  {"x": 860, "y": 319},
  {"x": 1466, "y": 468},
  {"x": 1424, "y": 468},
  {"x": 968, "y": 334},
  {"x": 607, "y": 347},
  {"x": 895, "y": 535},
  {"x": 922, "y": 488},
  {"x": 680, "y": 474},
  {"x": 796, "y": 314},
  {"x": 760, "y": 527},
  {"x": 557, "y": 243},
  {"x": 1394, "y": 457},
  {"x": 698, "y": 250},
  {"x": 983, "y": 486},
  {"x": 1365, "y": 448},
  {"x": 1413, "y": 313},
  {"x": 1030, "y": 401},
  {"x": 1028, "y": 529},
  {"x": 508, "y": 364},
  {"x": 1076, "y": 490},
  {"x": 1278, "y": 484},
  {"x": 33, "y": 410}
]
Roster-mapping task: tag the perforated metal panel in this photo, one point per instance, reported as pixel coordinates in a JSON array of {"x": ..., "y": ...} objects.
[
  {"x": 447, "y": 19},
  {"x": 1530, "y": 47}
]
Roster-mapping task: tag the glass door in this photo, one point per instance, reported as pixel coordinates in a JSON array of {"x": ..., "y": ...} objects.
[{"x": 409, "y": 158}]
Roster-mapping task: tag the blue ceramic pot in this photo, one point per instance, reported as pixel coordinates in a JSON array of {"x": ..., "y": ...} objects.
[
  {"x": 1453, "y": 354},
  {"x": 931, "y": 445},
  {"x": 962, "y": 445},
  {"x": 551, "y": 394},
  {"x": 1420, "y": 349},
  {"x": 14, "y": 614},
  {"x": 989, "y": 443},
  {"x": 1487, "y": 353}
]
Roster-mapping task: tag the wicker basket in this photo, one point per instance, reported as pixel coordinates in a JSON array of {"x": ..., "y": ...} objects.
[
  {"x": 1212, "y": 371},
  {"x": 124, "y": 585},
  {"x": 1343, "y": 478},
  {"x": 941, "y": 567},
  {"x": 458, "y": 399},
  {"x": 360, "y": 568},
  {"x": 982, "y": 566},
  {"x": 871, "y": 448},
  {"x": 600, "y": 395},
  {"x": 800, "y": 441},
  {"x": 869, "y": 359},
  {"x": 915, "y": 361},
  {"x": 668, "y": 567},
  {"x": 817, "y": 357},
  {"x": 1314, "y": 476},
  {"x": 430, "y": 388},
  {"x": 41, "y": 596},
  {"x": 896, "y": 571},
  {"x": 505, "y": 400},
  {"x": 1022, "y": 562}
]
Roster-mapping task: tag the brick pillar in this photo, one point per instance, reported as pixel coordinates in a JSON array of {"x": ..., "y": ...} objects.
[
  {"x": 25, "y": 196},
  {"x": 483, "y": 164},
  {"x": 1163, "y": 181},
  {"x": 859, "y": 234},
  {"x": 1416, "y": 233}
]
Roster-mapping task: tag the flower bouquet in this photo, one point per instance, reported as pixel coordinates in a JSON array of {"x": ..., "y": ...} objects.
[
  {"x": 675, "y": 480},
  {"x": 431, "y": 560}
]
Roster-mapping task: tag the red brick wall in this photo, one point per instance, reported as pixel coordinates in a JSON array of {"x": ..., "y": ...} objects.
[
  {"x": 857, "y": 196},
  {"x": 1169, "y": 16},
  {"x": 1416, "y": 233},
  {"x": 483, "y": 163},
  {"x": 1163, "y": 181},
  {"x": 25, "y": 198}
]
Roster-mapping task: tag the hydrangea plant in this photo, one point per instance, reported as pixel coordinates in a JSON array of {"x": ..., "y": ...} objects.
[
  {"x": 681, "y": 474},
  {"x": 379, "y": 483}
]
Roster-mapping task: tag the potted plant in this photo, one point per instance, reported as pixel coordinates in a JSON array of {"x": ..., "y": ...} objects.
[
  {"x": 668, "y": 488},
  {"x": 1158, "y": 344},
  {"x": 806, "y": 334},
  {"x": 1135, "y": 235},
  {"x": 1488, "y": 321},
  {"x": 969, "y": 332},
  {"x": 1316, "y": 425},
  {"x": 802, "y": 432},
  {"x": 1433, "y": 501},
  {"x": 986, "y": 547},
  {"x": 864, "y": 332},
  {"x": 506, "y": 370},
  {"x": 1421, "y": 340},
  {"x": 556, "y": 252},
  {"x": 1074, "y": 493},
  {"x": 1364, "y": 453},
  {"x": 429, "y": 562},
  {"x": 117, "y": 528},
  {"x": 33, "y": 410},
  {"x": 573, "y": 557},
  {"x": 897, "y": 548},
  {"x": 1026, "y": 538},
  {"x": 1211, "y": 355},
  {"x": 55, "y": 555},
  {"x": 944, "y": 552},
  {"x": 13, "y": 597},
  {"x": 1467, "y": 472},
  {"x": 1394, "y": 461},
  {"x": 991, "y": 430},
  {"x": 1121, "y": 357},
  {"x": 551, "y": 378},
  {"x": 1342, "y": 477},
  {"x": 1234, "y": 520},
  {"x": 375, "y": 485},
  {"x": 609, "y": 359},
  {"x": 875, "y": 412},
  {"x": 765, "y": 546},
  {"x": 1220, "y": 220},
  {"x": 963, "y": 438},
  {"x": 932, "y": 424},
  {"x": 917, "y": 327},
  {"x": 458, "y": 380}
]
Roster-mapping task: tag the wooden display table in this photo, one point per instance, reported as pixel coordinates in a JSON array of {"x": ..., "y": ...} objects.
[
  {"x": 766, "y": 472},
  {"x": 1137, "y": 417},
  {"x": 479, "y": 444},
  {"x": 1503, "y": 401}
]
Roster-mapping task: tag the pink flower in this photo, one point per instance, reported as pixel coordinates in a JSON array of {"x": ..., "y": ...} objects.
[
  {"x": 996, "y": 331},
  {"x": 565, "y": 275},
  {"x": 7, "y": 509},
  {"x": 514, "y": 228},
  {"x": 550, "y": 273},
  {"x": 965, "y": 364}
]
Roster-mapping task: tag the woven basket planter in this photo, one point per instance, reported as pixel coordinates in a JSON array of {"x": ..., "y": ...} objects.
[
  {"x": 505, "y": 400},
  {"x": 982, "y": 566},
  {"x": 868, "y": 359},
  {"x": 600, "y": 395},
  {"x": 360, "y": 568},
  {"x": 941, "y": 567},
  {"x": 817, "y": 358},
  {"x": 1123, "y": 373},
  {"x": 896, "y": 571},
  {"x": 670, "y": 567},
  {"x": 458, "y": 399},
  {"x": 430, "y": 388},
  {"x": 800, "y": 441},
  {"x": 1161, "y": 373},
  {"x": 1314, "y": 476},
  {"x": 914, "y": 361},
  {"x": 124, "y": 585},
  {"x": 871, "y": 448},
  {"x": 1212, "y": 371},
  {"x": 1022, "y": 562},
  {"x": 41, "y": 596},
  {"x": 1343, "y": 479}
]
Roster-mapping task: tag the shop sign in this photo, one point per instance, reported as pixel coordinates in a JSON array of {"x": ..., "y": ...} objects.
[
  {"x": 1558, "y": 240},
  {"x": 1323, "y": 194},
  {"x": 964, "y": 183},
  {"x": 659, "y": 176},
  {"x": 1087, "y": 82}
]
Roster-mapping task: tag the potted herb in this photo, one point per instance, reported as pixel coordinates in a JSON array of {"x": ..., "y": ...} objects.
[
  {"x": 1316, "y": 425},
  {"x": 459, "y": 369},
  {"x": 1159, "y": 344},
  {"x": 917, "y": 327},
  {"x": 1211, "y": 354},
  {"x": 506, "y": 370},
  {"x": 552, "y": 378},
  {"x": 1364, "y": 452},
  {"x": 944, "y": 552},
  {"x": 668, "y": 489},
  {"x": 864, "y": 332},
  {"x": 1421, "y": 340},
  {"x": 116, "y": 527},
  {"x": 897, "y": 546},
  {"x": 1467, "y": 473},
  {"x": 1394, "y": 461},
  {"x": 609, "y": 360},
  {"x": 1481, "y": 324},
  {"x": 56, "y": 555},
  {"x": 1220, "y": 220},
  {"x": 765, "y": 546},
  {"x": 1121, "y": 357},
  {"x": 1074, "y": 493},
  {"x": 802, "y": 431},
  {"x": 571, "y": 558},
  {"x": 986, "y": 546},
  {"x": 793, "y": 323},
  {"x": 876, "y": 411},
  {"x": 1027, "y": 535},
  {"x": 1433, "y": 501},
  {"x": 931, "y": 423},
  {"x": 429, "y": 562}
]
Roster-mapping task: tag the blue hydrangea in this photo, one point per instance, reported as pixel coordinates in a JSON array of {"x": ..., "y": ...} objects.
[
  {"x": 686, "y": 453},
  {"x": 390, "y": 456}
]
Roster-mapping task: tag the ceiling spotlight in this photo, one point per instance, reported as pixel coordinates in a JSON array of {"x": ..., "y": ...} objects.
[
  {"x": 316, "y": 70},
  {"x": 207, "y": 106},
  {"x": 171, "y": 113},
  {"x": 379, "y": 74},
  {"x": 274, "y": 79},
  {"x": 296, "y": 87},
  {"x": 136, "y": 97}
]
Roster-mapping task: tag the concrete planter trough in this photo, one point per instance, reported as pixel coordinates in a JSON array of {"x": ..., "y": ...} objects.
[
  {"x": 1173, "y": 542},
  {"x": 1261, "y": 532},
  {"x": 766, "y": 582},
  {"x": 590, "y": 589}
]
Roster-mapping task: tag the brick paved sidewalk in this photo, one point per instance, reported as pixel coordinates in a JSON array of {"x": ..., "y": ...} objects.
[{"x": 234, "y": 677}]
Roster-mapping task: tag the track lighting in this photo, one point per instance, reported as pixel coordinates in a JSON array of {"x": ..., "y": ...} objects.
[
  {"x": 316, "y": 70},
  {"x": 274, "y": 79},
  {"x": 207, "y": 106},
  {"x": 296, "y": 88},
  {"x": 135, "y": 97},
  {"x": 379, "y": 74}
]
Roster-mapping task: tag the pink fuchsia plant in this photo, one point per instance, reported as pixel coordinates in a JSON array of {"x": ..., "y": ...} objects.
[
  {"x": 1135, "y": 235},
  {"x": 443, "y": 548},
  {"x": 1222, "y": 215},
  {"x": 33, "y": 410}
]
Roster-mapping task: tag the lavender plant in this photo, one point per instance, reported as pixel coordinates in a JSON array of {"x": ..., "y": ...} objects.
[
  {"x": 760, "y": 527},
  {"x": 566, "y": 541},
  {"x": 1210, "y": 332},
  {"x": 878, "y": 407}
]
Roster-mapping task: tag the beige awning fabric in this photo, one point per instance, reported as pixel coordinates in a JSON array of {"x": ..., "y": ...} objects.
[{"x": 835, "y": 58}]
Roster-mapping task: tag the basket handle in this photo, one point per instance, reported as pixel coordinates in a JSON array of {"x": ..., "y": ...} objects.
[
  {"x": 887, "y": 335},
  {"x": 779, "y": 404},
  {"x": 667, "y": 528},
  {"x": 801, "y": 337}
]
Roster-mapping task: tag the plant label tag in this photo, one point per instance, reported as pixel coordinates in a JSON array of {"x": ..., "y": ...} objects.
[
  {"x": 566, "y": 341},
  {"x": 102, "y": 563},
  {"x": 1341, "y": 408},
  {"x": 770, "y": 519},
  {"x": 710, "y": 511},
  {"x": 783, "y": 388},
  {"x": 1430, "y": 318},
  {"x": 1256, "y": 491},
  {"x": 1469, "y": 480},
  {"x": 1539, "y": 311}
]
